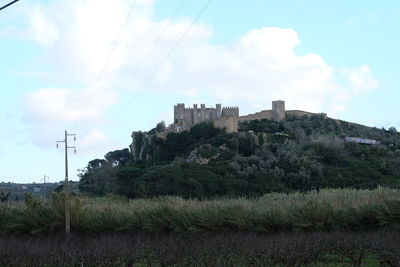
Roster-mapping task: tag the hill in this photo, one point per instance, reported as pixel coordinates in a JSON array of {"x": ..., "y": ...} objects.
[{"x": 298, "y": 154}]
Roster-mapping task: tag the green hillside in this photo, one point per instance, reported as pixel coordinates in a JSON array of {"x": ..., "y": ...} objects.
[{"x": 298, "y": 154}]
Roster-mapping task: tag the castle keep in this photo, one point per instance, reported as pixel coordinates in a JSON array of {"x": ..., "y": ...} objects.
[{"x": 278, "y": 110}]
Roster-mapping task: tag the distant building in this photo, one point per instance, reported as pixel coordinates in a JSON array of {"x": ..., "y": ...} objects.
[{"x": 363, "y": 141}]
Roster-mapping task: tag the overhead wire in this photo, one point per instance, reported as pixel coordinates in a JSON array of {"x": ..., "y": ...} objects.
[
  {"x": 147, "y": 56},
  {"x": 9, "y": 4},
  {"x": 148, "y": 80},
  {"x": 101, "y": 73},
  {"x": 171, "y": 51}
]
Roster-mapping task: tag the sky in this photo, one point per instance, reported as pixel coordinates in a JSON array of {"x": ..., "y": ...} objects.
[{"x": 101, "y": 69}]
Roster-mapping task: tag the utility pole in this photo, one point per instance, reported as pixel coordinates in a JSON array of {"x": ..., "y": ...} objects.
[
  {"x": 44, "y": 187},
  {"x": 66, "y": 183}
]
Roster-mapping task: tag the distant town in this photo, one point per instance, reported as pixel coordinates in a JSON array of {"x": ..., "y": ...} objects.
[{"x": 38, "y": 190}]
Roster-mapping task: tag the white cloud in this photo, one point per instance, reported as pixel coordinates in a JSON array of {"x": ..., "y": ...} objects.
[
  {"x": 361, "y": 79},
  {"x": 68, "y": 105},
  {"x": 262, "y": 65},
  {"x": 95, "y": 140},
  {"x": 42, "y": 30},
  {"x": 50, "y": 111}
]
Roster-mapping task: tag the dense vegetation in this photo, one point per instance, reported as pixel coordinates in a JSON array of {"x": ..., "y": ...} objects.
[
  {"x": 200, "y": 249},
  {"x": 341, "y": 227},
  {"x": 327, "y": 210},
  {"x": 298, "y": 154}
]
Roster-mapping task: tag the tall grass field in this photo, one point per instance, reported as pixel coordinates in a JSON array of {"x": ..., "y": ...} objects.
[{"x": 326, "y": 210}]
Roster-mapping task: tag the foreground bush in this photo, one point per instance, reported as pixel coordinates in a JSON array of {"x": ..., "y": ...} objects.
[
  {"x": 327, "y": 210},
  {"x": 201, "y": 249}
]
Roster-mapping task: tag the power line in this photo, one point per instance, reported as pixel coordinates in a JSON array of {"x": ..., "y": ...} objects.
[
  {"x": 9, "y": 4},
  {"x": 107, "y": 60},
  {"x": 166, "y": 57},
  {"x": 146, "y": 57},
  {"x": 148, "y": 80},
  {"x": 155, "y": 43}
]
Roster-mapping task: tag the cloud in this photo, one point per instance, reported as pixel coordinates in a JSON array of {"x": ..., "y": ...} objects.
[
  {"x": 361, "y": 79},
  {"x": 48, "y": 112},
  {"x": 68, "y": 105},
  {"x": 42, "y": 30},
  {"x": 95, "y": 141},
  {"x": 260, "y": 66}
]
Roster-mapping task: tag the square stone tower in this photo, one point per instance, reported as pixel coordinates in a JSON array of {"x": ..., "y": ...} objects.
[{"x": 278, "y": 110}]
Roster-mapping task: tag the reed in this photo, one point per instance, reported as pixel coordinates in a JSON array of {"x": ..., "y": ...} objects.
[{"x": 326, "y": 210}]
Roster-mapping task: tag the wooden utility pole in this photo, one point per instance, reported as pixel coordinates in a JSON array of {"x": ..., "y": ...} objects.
[
  {"x": 44, "y": 188},
  {"x": 66, "y": 183}
]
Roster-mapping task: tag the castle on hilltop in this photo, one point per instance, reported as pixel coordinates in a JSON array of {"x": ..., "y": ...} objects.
[
  {"x": 228, "y": 117},
  {"x": 187, "y": 117}
]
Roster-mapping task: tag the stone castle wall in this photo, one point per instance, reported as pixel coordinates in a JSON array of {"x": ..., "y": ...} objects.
[
  {"x": 229, "y": 124},
  {"x": 301, "y": 113},
  {"x": 187, "y": 117},
  {"x": 230, "y": 112},
  {"x": 228, "y": 117},
  {"x": 265, "y": 114}
]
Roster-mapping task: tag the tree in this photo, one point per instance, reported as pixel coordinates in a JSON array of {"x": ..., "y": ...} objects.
[
  {"x": 160, "y": 127},
  {"x": 118, "y": 158},
  {"x": 98, "y": 177},
  {"x": 95, "y": 164},
  {"x": 265, "y": 156},
  {"x": 4, "y": 196}
]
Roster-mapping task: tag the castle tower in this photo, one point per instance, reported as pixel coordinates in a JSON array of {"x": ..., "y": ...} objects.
[
  {"x": 176, "y": 113},
  {"x": 179, "y": 114},
  {"x": 219, "y": 110},
  {"x": 203, "y": 112},
  {"x": 278, "y": 110},
  {"x": 195, "y": 114},
  {"x": 230, "y": 112}
]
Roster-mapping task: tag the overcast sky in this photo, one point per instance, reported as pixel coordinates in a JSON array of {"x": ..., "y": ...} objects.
[{"x": 61, "y": 68}]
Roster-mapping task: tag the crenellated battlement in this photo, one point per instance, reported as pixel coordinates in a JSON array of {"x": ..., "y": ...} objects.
[
  {"x": 230, "y": 112},
  {"x": 187, "y": 117},
  {"x": 228, "y": 117}
]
